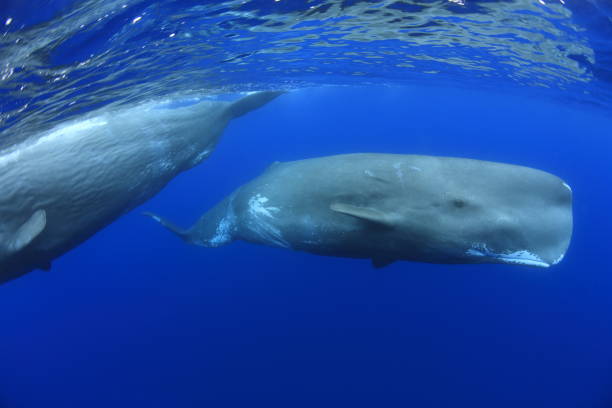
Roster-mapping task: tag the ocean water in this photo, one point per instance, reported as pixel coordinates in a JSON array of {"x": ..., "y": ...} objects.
[{"x": 136, "y": 318}]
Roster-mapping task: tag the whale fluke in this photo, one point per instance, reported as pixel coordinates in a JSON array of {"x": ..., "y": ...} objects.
[
  {"x": 169, "y": 225},
  {"x": 251, "y": 102}
]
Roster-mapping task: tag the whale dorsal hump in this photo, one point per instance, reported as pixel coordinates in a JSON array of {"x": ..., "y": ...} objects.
[
  {"x": 28, "y": 231},
  {"x": 271, "y": 167},
  {"x": 364, "y": 213}
]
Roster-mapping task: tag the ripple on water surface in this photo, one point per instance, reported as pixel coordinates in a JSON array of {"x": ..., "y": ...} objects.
[{"x": 98, "y": 52}]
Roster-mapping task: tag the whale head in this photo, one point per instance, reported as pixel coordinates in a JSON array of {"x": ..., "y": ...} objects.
[{"x": 484, "y": 212}]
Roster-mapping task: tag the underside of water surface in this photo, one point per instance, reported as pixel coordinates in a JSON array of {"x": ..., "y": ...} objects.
[{"x": 74, "y": 56}]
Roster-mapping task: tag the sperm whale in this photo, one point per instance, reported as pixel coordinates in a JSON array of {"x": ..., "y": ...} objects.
[
  {"x": 60, "y": 188},
  {"x": 390, "y": 207}
]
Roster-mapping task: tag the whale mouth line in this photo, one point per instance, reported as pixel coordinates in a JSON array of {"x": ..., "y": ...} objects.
[
  {"x": 523, "y": 261},
  {"x": 522, "y": 257}
]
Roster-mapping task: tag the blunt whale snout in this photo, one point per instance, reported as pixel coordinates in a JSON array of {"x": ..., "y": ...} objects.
[{"x": 389, "y": 207}]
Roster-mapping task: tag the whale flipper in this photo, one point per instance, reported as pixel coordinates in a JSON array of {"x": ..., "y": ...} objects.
[
  {"x": 251, "y": 102},
  {"x": 369, "y": 214},
  {"x": 28, "y": 231}
]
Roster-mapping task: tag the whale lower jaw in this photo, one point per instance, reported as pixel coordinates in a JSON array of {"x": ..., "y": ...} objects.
[
  {"x": 521, "y": 261},
  {"x": 522, "y": 257}
]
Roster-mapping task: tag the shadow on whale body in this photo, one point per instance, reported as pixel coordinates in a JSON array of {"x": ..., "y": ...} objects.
[
  {"x": 389, "y": 207},
  {"x": 59, "y": 189}
]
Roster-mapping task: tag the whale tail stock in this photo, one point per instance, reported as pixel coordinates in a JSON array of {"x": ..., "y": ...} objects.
[
  {"x": 251, "y": 102},
  {"x": 215, "y": 228},
  {"x": 183, "y": 234}
]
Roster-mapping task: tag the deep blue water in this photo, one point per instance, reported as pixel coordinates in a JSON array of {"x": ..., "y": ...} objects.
[{"x": 136, "y": 318}]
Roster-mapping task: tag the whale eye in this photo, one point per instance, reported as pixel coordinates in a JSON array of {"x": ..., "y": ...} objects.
[{"x": 458, "y": 203}]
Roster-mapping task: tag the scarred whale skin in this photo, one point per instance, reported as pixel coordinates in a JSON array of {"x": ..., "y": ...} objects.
[
  {"x": 389, "y": 207},
  {"x": 59, "y": 189}
]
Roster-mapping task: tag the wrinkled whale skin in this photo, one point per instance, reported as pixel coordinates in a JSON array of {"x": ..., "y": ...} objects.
[
  {"x": 59, "y": 189},
  {"x": 389, "y": 207}
]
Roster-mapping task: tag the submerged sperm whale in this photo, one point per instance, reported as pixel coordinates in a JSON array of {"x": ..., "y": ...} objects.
[
  {"x": 60, "y": 189},
  {"x": 389, "y": 207}
]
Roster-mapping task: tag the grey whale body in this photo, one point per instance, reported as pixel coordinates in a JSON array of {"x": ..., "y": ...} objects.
[
  {"x": 58, "y": 190},
  {"x": 389, "y": 207}
]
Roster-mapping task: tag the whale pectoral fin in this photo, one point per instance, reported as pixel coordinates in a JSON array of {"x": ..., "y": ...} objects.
[
  {"x": 381, "y": 262},
  {"x": 28, "y": 231},
  {"x": 364, "y": 213}
]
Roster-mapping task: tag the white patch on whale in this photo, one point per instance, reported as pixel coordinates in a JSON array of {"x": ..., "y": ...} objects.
[
  {"x": 567, "y": 186},
  {"x": 223, "y": 234},
  {"x": 261, "y": 225},
  {"x": 201, "y": 156},
  {"x": 559, "y": 259},
  {"x": 522, "y": 257},
  {"x": 399, "y": 173},
  {"x": 257, "y": 207}
]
